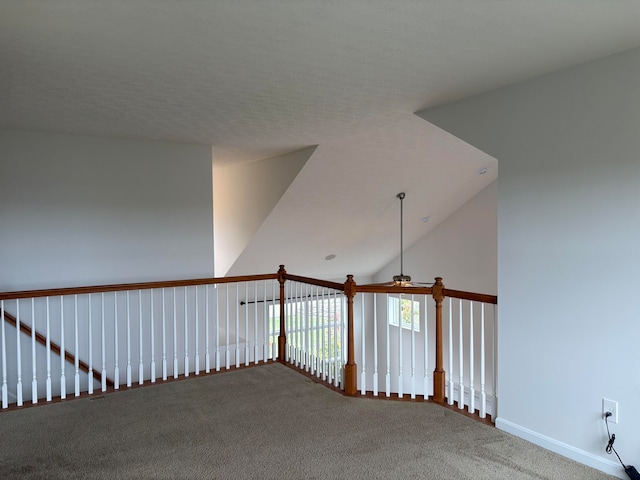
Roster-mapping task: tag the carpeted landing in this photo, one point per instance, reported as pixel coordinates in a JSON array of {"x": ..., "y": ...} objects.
[{"x": 267, "y": 422}]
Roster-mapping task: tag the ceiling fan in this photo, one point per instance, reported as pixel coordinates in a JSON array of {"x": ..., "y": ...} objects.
[{"x": 403, "y": 280}]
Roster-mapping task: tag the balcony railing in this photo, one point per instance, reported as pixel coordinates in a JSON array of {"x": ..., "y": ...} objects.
[{"x": 402, "y": 342}]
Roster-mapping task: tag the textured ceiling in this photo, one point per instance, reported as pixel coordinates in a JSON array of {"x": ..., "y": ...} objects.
[
  {"x": 260, "y": 78},
  {"x": 257, "y": 78}
]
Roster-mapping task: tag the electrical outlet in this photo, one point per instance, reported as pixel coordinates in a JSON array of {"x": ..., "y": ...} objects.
[{"x": 610, "y": 406}]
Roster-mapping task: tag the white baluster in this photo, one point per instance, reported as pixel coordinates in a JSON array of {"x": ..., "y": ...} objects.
[
  {"x": 266, "y": 327},
  {"x": 323, "y": 368},
  {"x": 196, "y": 353},
  {"x": 103, "y": 372},
  {"x": 388, "y": 346},
  {"x": 400, "y": 375},
  {"x": 237, "y": 326},
  {"x": 413, "y": 353},
  {"x": 329, "y": 340},
  {"x": 186, "y": 335},
  {"x": 275, "y": 302},
  {"x": 77, "y": 352},
  {"x": 5, "y": 388},
  {"x": 472, "y": 391},
  {"x": 450, "y": 356},
  {"x": 63, "y": 380},
  {"x": 309, "y": 329},
  {"x": 344, "y": 341},
  {"x": 274, "y": 340},
  {"x": 175, "y": 336},
  {"x": 363, "y": 346},
  {"x": 291, "y": 321},
  {"x": 483, "y": 395},
  {"x": 375, "y": 345},
  {"x": 330, "y": 336},
  {"x": 299, "y": 308},
  {"x": 227, "y": 352},
  {"x": 90, "y": 375},
  {"x": 304, "y": 357},
  {"x": 116, "y": 353},
  {"x": 312, "y": 323},
  {"x": 255, "y": 322},
  {"x": 304, "y": 322},
  {"x": 48, "y": 350},
  {"x": 246, "y": 324},
  {"x": 18, "y": 355},
  {"x": 295, "y": 337},
  {"x": 426, "y": 384},
  {"x": 34, "y": 380},
  {"x": 164, "y": 338},
  {"x": 494, "y": 362},
  {"x": 288, "y": 323},
  {"x": 140, "y": 337},
  {"x": 207, "y": 357},
  {"x": 5, "y": 391},
  {"x": 128, "y": 341},
  {"x": 217, "y": 331},
  {"x": 317, "y": 325},
  {"x": 319, "y": 330},
  {"x": 460, "y": 361},
  {"x": 334, "y": 336},
  {"x": 336, "y": 350},
  {"x": 152, "y": 321}
]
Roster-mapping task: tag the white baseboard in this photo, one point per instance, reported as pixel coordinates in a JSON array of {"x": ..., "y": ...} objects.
[{"x": 581, "y": 456}]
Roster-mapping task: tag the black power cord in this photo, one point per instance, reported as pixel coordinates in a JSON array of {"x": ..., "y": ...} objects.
[{"x": 630, "y": 470}]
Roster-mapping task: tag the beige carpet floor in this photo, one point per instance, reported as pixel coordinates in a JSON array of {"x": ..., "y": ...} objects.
[{"x": 267, "y": 422}]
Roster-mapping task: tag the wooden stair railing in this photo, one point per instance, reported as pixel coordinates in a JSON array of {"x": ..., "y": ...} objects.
[
  {"x": 438, "y": 292},
  {"x": 55, "y": 348}
]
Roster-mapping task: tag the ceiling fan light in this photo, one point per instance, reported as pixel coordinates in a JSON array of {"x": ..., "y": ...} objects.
[{"x": 401, "y": 279}]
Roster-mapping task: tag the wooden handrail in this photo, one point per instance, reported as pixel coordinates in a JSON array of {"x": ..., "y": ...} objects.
[
  {"x": 475, "y": 297},
  {"x": 55, "y": 348},
  {"x": 315, "y": 281},
  {"x": 372, "y": 288},
  {"x": 132, "y": 286}
]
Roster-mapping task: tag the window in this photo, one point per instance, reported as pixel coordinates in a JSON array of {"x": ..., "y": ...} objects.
[
  {"x": 314, "y": 324},
  {"x": 407, "y": 309},
  {"x": 307, "y": 314}
]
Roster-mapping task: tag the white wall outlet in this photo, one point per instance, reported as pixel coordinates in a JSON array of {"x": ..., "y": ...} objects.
[{"x": 610, "y": 406}]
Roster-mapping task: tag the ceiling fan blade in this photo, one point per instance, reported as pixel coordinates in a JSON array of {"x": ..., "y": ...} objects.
[{"x": 383, "y": 284}]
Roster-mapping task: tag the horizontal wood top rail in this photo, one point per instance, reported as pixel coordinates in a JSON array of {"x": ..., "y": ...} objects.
[
  {"x": 133, "y": 286},
  {"x": 393, "y": 289},
  {"x": 475, "y": 297},
  {"x": 55, "y": 348},
  {"x": 315, "y": 281}
]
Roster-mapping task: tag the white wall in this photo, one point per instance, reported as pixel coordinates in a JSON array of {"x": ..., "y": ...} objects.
[
  {"x": 78, "y": 210},
  {"x": 568, "y": 256},
  {"x": 244, "y": 195}
]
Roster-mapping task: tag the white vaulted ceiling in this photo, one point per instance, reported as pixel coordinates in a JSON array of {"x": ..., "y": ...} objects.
[{"x": 256, "y": 79}]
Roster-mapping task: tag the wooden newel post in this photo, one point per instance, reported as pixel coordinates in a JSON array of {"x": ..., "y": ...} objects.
[
  {"x": 282, "y": 338},
  {"x": 438, "y": 373},
  {"x": 350, "y": 369}
]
